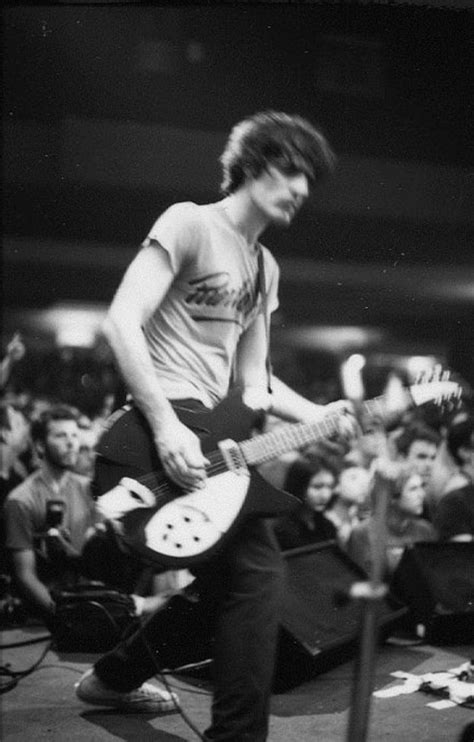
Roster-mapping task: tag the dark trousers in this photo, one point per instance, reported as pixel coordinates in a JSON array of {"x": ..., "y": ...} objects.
[{"x": 231, "y": 611}]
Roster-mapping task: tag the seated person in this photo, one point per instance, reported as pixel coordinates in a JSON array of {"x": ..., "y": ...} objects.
[
  {"x": 403, "y": 524},
  {"x": 49, "y": 516},
  {"x": 53, "y": 531},
  {"x": 313, "y": 484}
]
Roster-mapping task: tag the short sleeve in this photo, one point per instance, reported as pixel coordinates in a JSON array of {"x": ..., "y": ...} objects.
[
  {"x": 18, "y": 525},
  {"x": 272, "y": 279},
  {"x": 176, "y": 231}
]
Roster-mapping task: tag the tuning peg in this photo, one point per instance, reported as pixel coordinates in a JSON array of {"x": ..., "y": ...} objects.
[
  {"x": 419, "y": 377},
  {"x": 437, "y": 372}
]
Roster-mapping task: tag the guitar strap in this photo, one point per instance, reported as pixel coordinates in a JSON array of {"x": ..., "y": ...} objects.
[{"x": 263, "y": 290}]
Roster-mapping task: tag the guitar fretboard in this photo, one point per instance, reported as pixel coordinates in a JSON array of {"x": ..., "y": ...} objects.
[{"x": 292, "y": 436}]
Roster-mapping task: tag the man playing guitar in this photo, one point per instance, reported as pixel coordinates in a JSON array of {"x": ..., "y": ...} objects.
[{"x": 189, "y": 322}]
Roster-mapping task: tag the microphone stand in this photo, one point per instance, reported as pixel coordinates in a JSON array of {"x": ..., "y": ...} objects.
[{"x": 370, "y": 595}]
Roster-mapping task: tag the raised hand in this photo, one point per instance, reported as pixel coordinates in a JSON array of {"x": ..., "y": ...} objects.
[{"x": 16, "y": 348}]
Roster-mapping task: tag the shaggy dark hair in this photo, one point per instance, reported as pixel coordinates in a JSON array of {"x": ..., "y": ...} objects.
[
  {"x": 40, "y": 426},
  {"x": 416, "y": 432},
  {"x": 301, "y": 472},
  {"x": 288, "y": 142}
]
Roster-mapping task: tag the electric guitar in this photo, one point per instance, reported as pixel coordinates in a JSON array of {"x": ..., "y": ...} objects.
[{"x": 176, "y": 528}]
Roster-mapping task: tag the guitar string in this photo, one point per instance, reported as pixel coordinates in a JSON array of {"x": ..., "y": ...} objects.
[
  {"x": 298, "y": 433},
  {"x": 216, "y": 466}
]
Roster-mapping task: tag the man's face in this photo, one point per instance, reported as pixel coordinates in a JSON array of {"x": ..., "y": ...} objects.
[
  {"x": 61, "y": 446},
  {"x": 278, "y": 195},
  {"x": 421, "y": 457}
]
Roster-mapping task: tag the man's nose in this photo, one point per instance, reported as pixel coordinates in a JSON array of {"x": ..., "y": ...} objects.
[{"x": 300, "y": 186}]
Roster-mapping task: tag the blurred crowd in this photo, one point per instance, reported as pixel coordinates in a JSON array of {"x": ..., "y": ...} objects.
[
  {"x": 52, "y": 536},
  {"x": 395, "y": 482}
]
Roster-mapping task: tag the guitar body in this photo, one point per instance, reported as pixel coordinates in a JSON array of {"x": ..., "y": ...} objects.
[{"x": 154, "y": 517}]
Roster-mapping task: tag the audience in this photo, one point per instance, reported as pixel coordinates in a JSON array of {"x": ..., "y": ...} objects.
[
  {"x": 54, "y": 535},
  {"x": 14, "y": 442},
  {"x": 50, "y": 514},
  {"x": 313, "y": 483},
  {"x": 454, "y": 515},
  {"x": 14, "y": 352},
  {"x": 399, "y": 524},
  {"x": 460, "y": 444},
  {"x": 417, "y": 445},
  {"x": 351, "y": 502},
  {"x": 368, "y": 446},
  {"x": 52, "y": 532}
]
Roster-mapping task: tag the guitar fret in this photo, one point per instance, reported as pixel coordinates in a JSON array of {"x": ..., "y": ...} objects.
[
  {"x": 287, "y": 438},
  {"x": 374, "y": 407},
  {"x": 291, "y": 436}
]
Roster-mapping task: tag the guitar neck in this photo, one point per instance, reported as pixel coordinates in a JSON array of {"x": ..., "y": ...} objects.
[{"x": 292, "y": 436}]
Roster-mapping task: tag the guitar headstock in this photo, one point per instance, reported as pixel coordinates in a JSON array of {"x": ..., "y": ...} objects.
[{"x": 436, "y": 387}]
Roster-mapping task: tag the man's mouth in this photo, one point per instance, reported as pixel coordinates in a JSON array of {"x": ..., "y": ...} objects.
[{"x": 290, "y": 207}]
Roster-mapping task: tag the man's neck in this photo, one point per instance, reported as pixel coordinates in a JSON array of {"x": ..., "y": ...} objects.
[
  {"x": 53, "y": 473},
  {"x": 244, "y": 216}
]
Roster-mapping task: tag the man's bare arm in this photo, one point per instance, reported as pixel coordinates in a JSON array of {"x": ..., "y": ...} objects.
[
  {"x": 283, "y": 402},
  {"x": 28, "y": 583},
  {"x": 142, "y": 289}
]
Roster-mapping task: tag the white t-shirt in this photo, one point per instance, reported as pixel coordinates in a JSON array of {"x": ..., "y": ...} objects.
[{"x": 193, "y": 335}]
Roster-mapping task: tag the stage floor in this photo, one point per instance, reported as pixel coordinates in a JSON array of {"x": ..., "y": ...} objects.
[{"x": 43, "y": 705}]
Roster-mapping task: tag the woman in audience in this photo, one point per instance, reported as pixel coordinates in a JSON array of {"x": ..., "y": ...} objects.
[
  {"x": 313, "y": 484},
  {"x": 399, "y": 524}
]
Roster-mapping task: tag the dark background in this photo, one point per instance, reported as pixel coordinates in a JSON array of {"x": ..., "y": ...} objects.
[{"x": 389, "y": 85}]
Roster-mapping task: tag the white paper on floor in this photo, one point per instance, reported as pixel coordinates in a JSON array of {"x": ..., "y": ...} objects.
[{"x": 456, "y": 686}]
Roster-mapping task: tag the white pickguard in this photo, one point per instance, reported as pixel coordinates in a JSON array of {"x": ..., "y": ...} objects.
[
  {"x": 127, "y": 495},
  {"x": 193, "y": 523}
]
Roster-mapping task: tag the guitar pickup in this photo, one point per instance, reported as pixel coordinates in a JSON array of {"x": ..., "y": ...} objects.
[{"x": 233, "y": 457}]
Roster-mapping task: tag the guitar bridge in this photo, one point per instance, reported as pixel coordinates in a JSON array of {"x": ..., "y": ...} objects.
[{"x": 233, "y": 457}]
